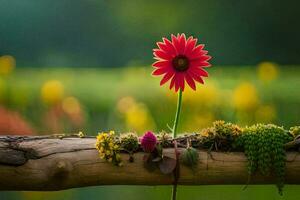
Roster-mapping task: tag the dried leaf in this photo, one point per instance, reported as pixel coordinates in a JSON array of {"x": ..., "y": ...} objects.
[
  {"x": 167, "y": 165},
  {"x": 157, "y": 159}
]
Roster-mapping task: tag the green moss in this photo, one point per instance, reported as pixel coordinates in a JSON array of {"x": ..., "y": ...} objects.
[
  {"x": 295, "y": 131},
  {"x": 264, "y": 148},
  {"x": 129, "y": 142},
  {"x": 221, "y": 136},
  {"x": 165, "y": 139}
]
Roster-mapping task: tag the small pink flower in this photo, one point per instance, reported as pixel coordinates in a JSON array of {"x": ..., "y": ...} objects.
[{"x": 148, "y": 142}]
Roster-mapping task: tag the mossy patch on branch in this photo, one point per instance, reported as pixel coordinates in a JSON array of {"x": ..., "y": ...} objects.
[{"x": 264, "y": 147}]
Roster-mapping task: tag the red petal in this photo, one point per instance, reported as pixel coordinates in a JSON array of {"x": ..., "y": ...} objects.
[
  {"x": 175, "y": 43},
  {"x": 199, "y": 71},
  {"x": 196, "y": 51},
  {"x": 203, "y": 52},
  {"x": 162, "y": 46},
  {"x": 198, "y": 48},
  {"x": 161, "y": 54},
  {"x": 160, "y": 71},
  {"x": 172, "y": 82},
  {"x": 179, "y": 81},
  {"x": 205, "y": 64},
  {"x": 176, "y": 86},
  {"x": 190, "y": 81},
  {"x": 196, "y": 77},
  {"x": 167, "y": 77},
  {"x": 170, "y": 46},
  {"x": 198, "y": 55},
  {"x": 167, "y": 48},
  {"x": 182, "y": 43},
  {"x": 199, "y": 79},
  {"x": 205, "y": 58},
  {"x": 162, "y": 63},
  {"x": 190, "y": 45},
  {"x": 199, "y": 63}
]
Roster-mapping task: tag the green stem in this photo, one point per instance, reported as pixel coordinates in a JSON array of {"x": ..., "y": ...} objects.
[
  {"x": 174, "y": 131},
  {"x": 174, "y": 192}
]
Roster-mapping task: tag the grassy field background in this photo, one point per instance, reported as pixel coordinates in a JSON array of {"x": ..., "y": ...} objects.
[{"x": 129, "y": 99}]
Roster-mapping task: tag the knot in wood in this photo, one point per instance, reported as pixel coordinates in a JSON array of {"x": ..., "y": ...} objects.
[{"x": 62, "y": 168}]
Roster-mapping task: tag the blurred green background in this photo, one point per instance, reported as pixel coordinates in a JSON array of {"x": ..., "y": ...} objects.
[
  {"x": 115, "y": 33},
  {"x": 85, "y": 65}
]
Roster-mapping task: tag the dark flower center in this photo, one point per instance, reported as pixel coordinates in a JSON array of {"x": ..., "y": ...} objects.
[{"x": 180, "y": 63}]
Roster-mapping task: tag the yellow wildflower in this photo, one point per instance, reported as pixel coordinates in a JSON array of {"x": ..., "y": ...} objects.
[
  {"x": 139, "y": 118},
  {"x": 101, "y": 149},
  {"x": 111, "y": 132},
  {"x": 267, "y": 71},
  {"x": 107, "y": 147},
  {"x": 7, "y": 64},
  {"x": 245, "y": 97},
  {"x": 236, "y": 130},
  {"x": 205, "y": 96},
  {"x": 295, "y": 131},
  {"x": 71, "y": 105},
  {"x": 52, "y": 92},
  {"x": 125, "y": 103},
  {"x": 81, "y": 134},
  {"x": 205, "y": 133},
  {"x": 197, "y": 121},
  {"x": 116, "y": 147}
]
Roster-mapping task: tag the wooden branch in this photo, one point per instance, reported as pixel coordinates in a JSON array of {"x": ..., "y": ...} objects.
[
  {"x": 47, "y": 163},
  {"x": 293, "y": 144}
]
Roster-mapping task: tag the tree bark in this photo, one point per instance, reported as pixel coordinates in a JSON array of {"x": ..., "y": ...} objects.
[{"x": 46, "y": 163}]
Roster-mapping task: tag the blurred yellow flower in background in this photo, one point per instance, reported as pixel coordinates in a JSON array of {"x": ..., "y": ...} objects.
[
  {"x": 52, "y": 92},
  {"x": 7, "y": 64},
  {"x": 245, "y": 97},
  {"x": 204, "y": 96},
  {"x": 137, "y": 116},
  {"x": 202, "y": 104},
  {"x": 197, "y": 122},
  {"x": 267, "y": 71},
  {"x": 265, "y": 114},
  {"x": 125, "y": 103},
  {"x": 71, "y": 105}
]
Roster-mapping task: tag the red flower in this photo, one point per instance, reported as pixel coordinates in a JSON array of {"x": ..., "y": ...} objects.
[
  {"x": 148, "y": 142},
  {"x": 180, "y": 60}
]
